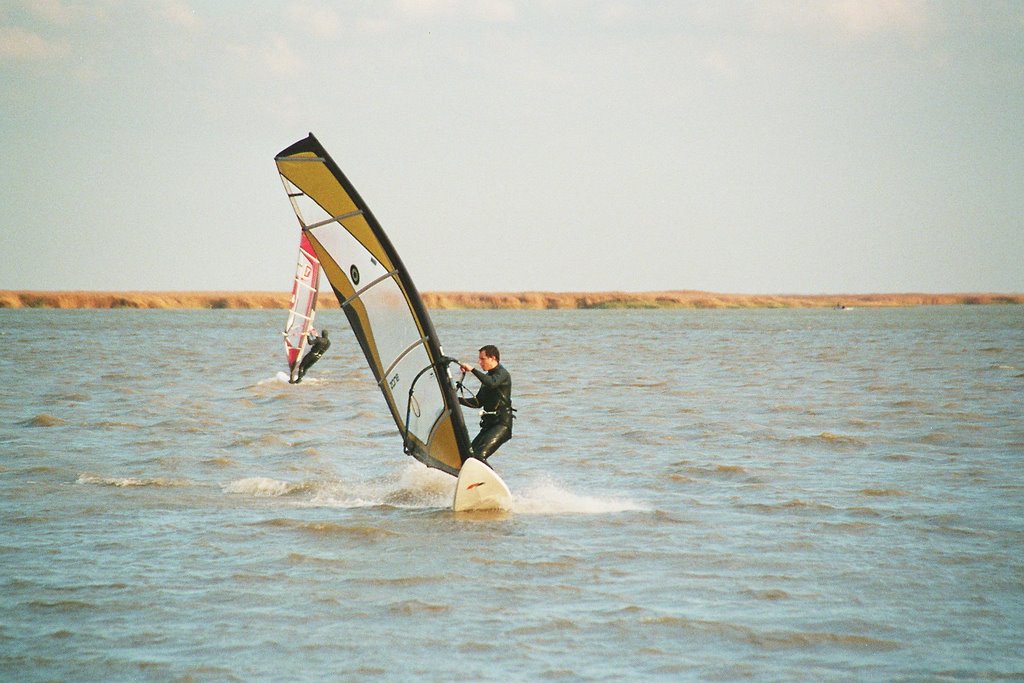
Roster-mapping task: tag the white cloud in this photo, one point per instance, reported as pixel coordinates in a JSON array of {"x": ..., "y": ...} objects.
[
  {"x": 23, "y": 45},
  {"x": 51, "y": 11},
  {"x": 318, "y": 19},
  {"x": 61, "y": 14},
  {"x": 497, "y": 11},
  {"x": 616, "y": 13},
  {"x": 178, "y": 13},
  {"x": 720, "y": 63},
  {"x": 280, "y": 58},
  {"x": 864, "y": 18},
  {"x": 850, "y": 19},
  {"x": 416, "y": 9},
  {"x": 494, "y": 11}
]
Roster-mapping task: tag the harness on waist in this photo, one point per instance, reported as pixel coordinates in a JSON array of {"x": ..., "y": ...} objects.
[{"x": 483, "y": 411}]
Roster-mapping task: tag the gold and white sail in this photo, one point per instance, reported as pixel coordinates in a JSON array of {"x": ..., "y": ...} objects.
[{"x": 383, "y": 307}]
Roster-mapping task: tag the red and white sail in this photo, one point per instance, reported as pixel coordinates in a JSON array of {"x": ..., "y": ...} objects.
[{"x": 303, "y": 306}]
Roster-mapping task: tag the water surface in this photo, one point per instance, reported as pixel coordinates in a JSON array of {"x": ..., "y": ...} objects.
[{"x": 705, "y": 495}]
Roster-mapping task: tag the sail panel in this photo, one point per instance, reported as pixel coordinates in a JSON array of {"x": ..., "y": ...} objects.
[
  {"x": 441, "y": 445},
  {"x": 303, "y": 302},
  {"x": 392, "y": 325},
  {"x": 383, "y": 309},
  {"x": 381, "y": 303},
  {"x": 317, "y": 183},
  {"x": 386, "y": 327}
]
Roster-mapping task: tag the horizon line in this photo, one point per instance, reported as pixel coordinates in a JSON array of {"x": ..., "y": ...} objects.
[{"x": 231, "y": 299}]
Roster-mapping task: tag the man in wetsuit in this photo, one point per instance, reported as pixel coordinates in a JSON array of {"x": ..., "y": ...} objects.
[
  {"x": 317, "y": 348},
  {"x": 494, "y": 400}
]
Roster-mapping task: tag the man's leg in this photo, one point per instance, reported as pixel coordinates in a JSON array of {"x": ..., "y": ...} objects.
[
  {"x": 488, "y": 441},
  {"x": 307, "y": 363}
]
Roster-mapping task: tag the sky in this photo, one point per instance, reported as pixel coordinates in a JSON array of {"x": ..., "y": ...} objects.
[{"x": 762, "y": 146}]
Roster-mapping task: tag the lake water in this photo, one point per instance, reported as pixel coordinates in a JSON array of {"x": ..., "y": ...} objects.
[{"x": 699, "y": 495}]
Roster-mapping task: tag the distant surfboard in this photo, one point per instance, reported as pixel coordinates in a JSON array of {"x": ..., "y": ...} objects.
[{"x": 480, "y": 488}]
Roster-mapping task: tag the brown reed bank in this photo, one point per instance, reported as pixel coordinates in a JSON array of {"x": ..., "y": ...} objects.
[{"x": 522, "y": 300}]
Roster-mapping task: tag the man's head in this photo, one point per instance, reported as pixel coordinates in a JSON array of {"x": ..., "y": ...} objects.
[
  {"x": 323, "y": 333},
  {"x": 489, "y": 357}
]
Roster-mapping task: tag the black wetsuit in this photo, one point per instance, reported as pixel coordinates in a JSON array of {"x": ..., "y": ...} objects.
[
  {"x": 495, "y": 398},
  {"x": 317, "y": 348}
]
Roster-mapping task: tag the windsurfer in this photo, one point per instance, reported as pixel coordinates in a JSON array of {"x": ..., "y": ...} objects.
[
  {"x": 494, "y": 400},
  {"x": 318, "y": 346}
]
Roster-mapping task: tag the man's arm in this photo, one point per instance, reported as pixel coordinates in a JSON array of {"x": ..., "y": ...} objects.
[{"x": 499, "y": 377}]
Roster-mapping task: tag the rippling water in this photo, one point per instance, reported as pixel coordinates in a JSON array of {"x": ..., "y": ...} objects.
[{"x": 707, "y": 495}]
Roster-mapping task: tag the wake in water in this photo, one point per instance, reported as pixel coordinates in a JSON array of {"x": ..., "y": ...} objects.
[
  {"x": 127, "y": 482},
  {"x": 414, "y": 486},
  {"x": 417, "y": 487},
  {"x": 546, "y": 497},
  {"x": 281, "y": 377}
]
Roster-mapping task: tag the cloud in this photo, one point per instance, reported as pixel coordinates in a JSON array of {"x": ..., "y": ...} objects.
[
  {"x": 320, "y": 20},
  {"x": 849, "y": 19},
  {"x": 272, "y": 53},
  {"x": 414, "y": 9},
  {"x": 52, "y": 11},
  {"x": 18, "y": 44},
  {"x": 280, "y": 58},
  {"x": 493, "y": 11},
  {"x": 616, "y": 13},
  {"x": 178, "y": 13},
  {"x": 863, "y": 18},
  {"x": 721, "y": 63},
  {"x": 496, "y": 11}
]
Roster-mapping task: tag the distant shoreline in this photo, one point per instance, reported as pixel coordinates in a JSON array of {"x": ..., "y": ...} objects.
[{"x": 499, "y": 300}]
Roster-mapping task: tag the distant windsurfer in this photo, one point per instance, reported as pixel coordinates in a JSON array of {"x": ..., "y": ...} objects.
[
  {"x": 494, "y": 400},
  {"x": 318, "y": 346}
]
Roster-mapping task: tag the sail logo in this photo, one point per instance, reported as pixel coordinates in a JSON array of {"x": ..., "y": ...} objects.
[
  {"x": 394, "y": 381},
  {"x": 354, "y": 272}
]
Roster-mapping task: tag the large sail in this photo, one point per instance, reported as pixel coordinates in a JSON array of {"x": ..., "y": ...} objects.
[
  {"x": 382, "y": 305},
  {"x": 303, "y": 305}
]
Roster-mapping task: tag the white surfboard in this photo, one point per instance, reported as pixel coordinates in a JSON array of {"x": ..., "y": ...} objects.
[{"x": 480, "y": 488}]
